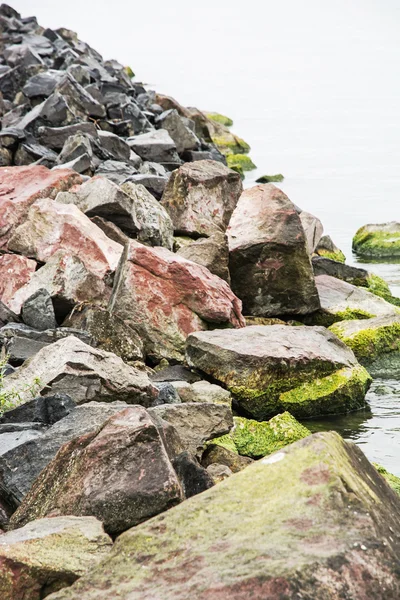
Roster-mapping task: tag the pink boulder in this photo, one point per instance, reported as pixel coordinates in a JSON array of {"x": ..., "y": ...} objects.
[
  {"x": 15, "y": 272},
  {"x": 21, "y": 186}
]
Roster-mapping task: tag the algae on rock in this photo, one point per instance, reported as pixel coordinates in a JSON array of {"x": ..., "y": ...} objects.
[{"x": 378, "y": 240}]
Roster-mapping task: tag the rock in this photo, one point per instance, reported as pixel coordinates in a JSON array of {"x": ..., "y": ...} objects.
[
  {"x": 120, "y": 474},
  {"x": 22, "y": 186},
  {"x": 372, "y": 340},
  {"x": 55, "y": 137},
  {"x": 46, "y": 410},
  {"x": 343, "y": 301},
  {"x": 196, "y": 422},
  {"x": 111, "y": 230},
  {"x": 270, "y": 369},
  {"x": 110, "y": 333},
  {"x": 269, "y": 262},
  {"x": 313, "y": 230},
  {"x": 270, "y": 178},
  {"x": 81, "y": 164},
  {"x": 42, "y": 84},
  {"x": 116, "y": 146},
  {"x": 165, "y": 297},
  {"x": 38, "y": 311},
  {"x": 167, "y": 394},
  {"x": 327, "y": 249},
  {"x": 378, "y": 240},
  {"x": 155, "y": 146},
  {"x": 80, "y": 102},
  {"x": 218, "y": 118},
  {"x": 49, "y": 554},
  {"x": 67, "y": 281},
  {"x": 15, "y": 272},
  {"x": 240, "y": 162},
  {"x": 392, "y": 480},
  {"x": 334, "y": 268},
  {"x": 175, "y": 373},
  {"x": 202, "y": 391},
  {"x": 218, "y": 472},
  {"x": 200, "y": 197},
  {"x": 193, "y": 477},
  {"x": 103, "y": 198},
  {"x": 216, "y": 454},
  {"x": 6, "y": 315},
  {"x": 51, "y": 226},
  {"x": 23, "y": 457},
  {"x": 155, "y": 225},
  {"x": 85, "y": 373},
  {"x": 28, "y": 153},
  {"x": 305, "y": 496},
  {"x": 211, "y": 252},
  {"x": 155, "y": 184},
  {"x": 75, "y": 146},
  {"x": 184, "y": 138},
  {"x": 116, "y": 171}
]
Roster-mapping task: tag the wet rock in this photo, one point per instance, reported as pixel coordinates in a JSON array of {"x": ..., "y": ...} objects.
[
  {"x": 164, "y": 297},
  {"x": 184, "y": 138},
  {"x": 46, "y": 410},
  {"x": 155, "y": 146},
  {"x": 270, "y": 369},
  {"x": 83, "y": 479},
  {"x": 211, "y": 252},
  {"x": 15, "y": 272},
  {"x": 20, "y": 187},
  {"x": 200, "y": 197},
  {"x": 193, "y": 478},
  {"x": 269, "y": 261},
  {"x": 38, "y": 311},
  {"x": 51, "y": 226},
  {"x": 196, "y": 423},
  {"x": 85, "y": 373},
  {"x": 378, "y": 240}
]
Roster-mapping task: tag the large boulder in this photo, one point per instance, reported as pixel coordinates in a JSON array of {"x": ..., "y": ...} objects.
[
  {"x": 48, "y": 555},
  {"x": 201, "y": 196},
  {"x": 120, "y": 474},
  {"x": 314, "y": 520},
  {"x": 85, "y": 373},
  {"x": 15, "y": 272},
  {"x": 164, "y": 297},
  {"x": 343, "y": 301},
  {"x": 269, "y": 261},
  {"x": 378, "y": 240},
  {"x": 269, "y": 369},
  {"x": 22, "y": 186},
  {"x": 51, "y": 226}
]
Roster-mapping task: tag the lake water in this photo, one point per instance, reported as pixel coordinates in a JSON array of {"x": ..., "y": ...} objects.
[{"x": 312, "y": 86}]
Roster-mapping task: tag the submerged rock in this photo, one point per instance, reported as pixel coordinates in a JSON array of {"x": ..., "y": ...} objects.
[
  {"x": 314, "y": 519},
  {"x": 270, "y": 369},
  {"x": 378, "y": 240}
]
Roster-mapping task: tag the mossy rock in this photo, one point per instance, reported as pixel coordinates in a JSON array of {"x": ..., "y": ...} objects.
[
  {"x": 337, "y": 256},
  {"x": 326, "y": 319},
  {"x": 392, "y": 480},
  {"x": 378, "y": 241},
  {"x": 238, "y": 169},
  {"x": 129, "y": 72},
  {"x": 240, "y": 160},
  {"x": 227, "y": 143},
  {"x": 218, "y": 118},
  {"x": 378, "y": 286},
  {"x": 270, "y": 178}
]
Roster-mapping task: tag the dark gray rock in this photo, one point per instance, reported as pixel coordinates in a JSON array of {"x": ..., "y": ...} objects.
[
  {"x": 116, "y": 146},
  {"x": 167, "y": 394},
  {"x": 82, "y": 164},
  {"x": 175, "y": 373},
  {"x": 29, "y": 152},
  {"x": 153, "y": 183},
  {"x": 193, "y": 478},
  {"x": 353, "y": 275},
  {"x": 75, "y": 146},
  {"x": 80, "y": 102},
  {"x": 7, "y": 315},
  {"x": 45, "y": 410},
  {"x": 116, "y": 171},
  {"x": 42, "y": 84},
  {"x": 55, "y": 137},
  {"x": 155, "y": 146}
]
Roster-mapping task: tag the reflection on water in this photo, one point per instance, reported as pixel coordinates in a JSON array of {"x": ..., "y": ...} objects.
[{"x": 376, "y": 429}]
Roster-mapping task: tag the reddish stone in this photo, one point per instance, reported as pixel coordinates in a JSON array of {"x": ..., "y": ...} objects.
[
  {"x": 21, "y": 186},
  {"x": 15, "y": 272}
]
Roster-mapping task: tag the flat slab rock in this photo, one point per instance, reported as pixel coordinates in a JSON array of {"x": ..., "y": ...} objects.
[
  {"x": 269, "y": 369},
  {"x": 314, "y": 520},
  {"x": 49, "y": 554}
]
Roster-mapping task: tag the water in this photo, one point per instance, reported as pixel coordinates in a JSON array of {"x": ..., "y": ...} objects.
[{"x": 312, "y": 86}]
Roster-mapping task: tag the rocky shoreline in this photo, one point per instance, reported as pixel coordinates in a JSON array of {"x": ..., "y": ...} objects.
[{"x": 162, "y": 331}]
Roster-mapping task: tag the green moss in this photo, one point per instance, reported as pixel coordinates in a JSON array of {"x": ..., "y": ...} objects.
[
  {"x": 326, "y": 319},
  {"x": 238, "y": 169},
  {"x": 392, "y": 480},
  {"x": 218, "y": 118},
  {"x": 270, "y": 178},
  {"x": 368, "y": 344},
  {"x": 337, "y": 256},
  {"x": 226, "y": 441},
  {"x": 376, "y": 244},
  {"x": 129, "y": 72},
  {"x": 240, "y": 160},
  {"x": 351, "y": 314},
  {"x": 230, "y": 144},
  {"x": 378, "y": 286}
]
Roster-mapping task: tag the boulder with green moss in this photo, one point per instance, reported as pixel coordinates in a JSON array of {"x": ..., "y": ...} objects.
[
  {"x": 48, "y": 555},
  {"x": 313, "y": 520},
  {"x": 342, "y": 301},
  {"x": 270, "y": 178},
  {"x": 392, "y": 480},
  {"x": 372, "y": 340},
  {"x": 378, "y": 240},
  {"x": 242, "y": 161},
  {"x": 307, "y": 371},
  {"x": 218, "y": 118},
  {"x": 328, "y": 249}
]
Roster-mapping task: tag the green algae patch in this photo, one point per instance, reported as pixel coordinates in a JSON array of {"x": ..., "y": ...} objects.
[
  {"x": 326, "y": 319},
  {"x": 228, "y": 143},
  {"x": 368, "y": 343},
  {"x": 374, "y": 242},
  {"x": 392, "y": 480},
  {"x": 342, "y": 391},
  {"x": 226, "y": 441},
  {"x": 129, "y": 72},
  {"x": 336, "y": 256},
  {"x": 378, "y": 286},
  {"x": 255, "y": 439},
  {"x": 218, "y": 118},
  {"x": 270, "y": 178},
  {"x": 242, "y": 161}
]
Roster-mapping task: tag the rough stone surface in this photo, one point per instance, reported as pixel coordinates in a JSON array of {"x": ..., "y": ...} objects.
[
  {"x": 15, "y": 272},
  {"x": 269, "y": 262},
  {"x": 200, "y": 197},
  {"x": 378, "y": 240},
  {"x": 211, "y": 252},
  {"x": 314, "y": 519},
  {"x": 51, "y": 226},
  {"x": 193, "y": 477},
  {"x": 313, "y": 230},
  {"x": 202, "y": 391},
  {"x": 217, "y": 454},
  {"x": 38, "y": 311},
  {"x": 48, "y": 555},
  {"x": 120, "y": 474},
  {"x": 270, "y": 369},
  {"x": 164, "y": 297},
  {"x": 184, "y": 138},
  {"x": 155, "y": 146},
  {"x": 47, "y": 410}
]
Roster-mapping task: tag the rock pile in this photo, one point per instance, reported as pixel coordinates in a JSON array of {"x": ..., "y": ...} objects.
[{"x": 149, "y": 351}]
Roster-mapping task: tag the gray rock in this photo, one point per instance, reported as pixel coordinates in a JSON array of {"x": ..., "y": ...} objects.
[
  {"x": 183, "y": 137},
  {"x": 154, "y": 184},
  {"x": 44, "y": 410},
  {"x": 74, "y": 146},
  {"x": 193, "y": 478},
  {"x": 116, "y": 146},
  {"x": 115, "y": 170},
  {"x": 218, "y": 472},
  {"x": 155, "y": 146},
  {"x": 211, "y": 252},
  {"x": 42, "y": 84},
  {"x": 167, "y": 394},
  {"x": 38, "y": 311},
  {"x": 80, "y": 102},
  {"x": 175, "y": 373},
  {"x": 81, "y": 164},
  {"x": 55, "y": 137},
  {"x": 353, "y": 275},
  {"x": 313, "y": 230},
  {"x": 202, "y": 391}
]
